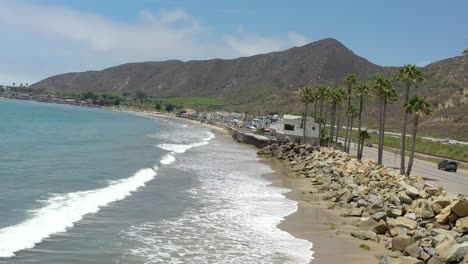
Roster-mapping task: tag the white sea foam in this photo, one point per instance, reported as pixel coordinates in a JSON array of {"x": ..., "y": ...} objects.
[
  {"x": 233, "y": 219},
  {"x": 62, "y": 211},
  {"x": 182, "y": 148},
  {"x": 168, "y": 159}
]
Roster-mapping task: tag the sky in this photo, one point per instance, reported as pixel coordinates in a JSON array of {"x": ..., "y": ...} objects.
[{"x": 41, "y": 38}]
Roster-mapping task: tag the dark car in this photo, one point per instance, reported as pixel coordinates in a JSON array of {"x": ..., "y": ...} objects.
[
  {"x": 369, "y": 144},
  {"x": 447, "y": 165}
]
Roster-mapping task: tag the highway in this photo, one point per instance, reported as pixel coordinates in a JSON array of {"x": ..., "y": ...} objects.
[{"x": 456, "y": 182}]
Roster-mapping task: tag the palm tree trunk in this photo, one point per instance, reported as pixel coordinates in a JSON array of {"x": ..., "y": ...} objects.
[
  {"x": 338, "y": 124},
  {"x": 382, "y": 135},
  {"x": 361, "y": 100},
  {"x": 320, "y": 121},
  {"x": 346, "y": 137},
  {"x": 347, "y": 123},
  {"x": 413, "y": 145},
  {"x": 350, "y": 135},
  {"x": 403, "y": 130},
  {"x": 332, "y": 124},
  {"x": 379, "y": 158},
  {"x": 360, "y": 147},
  {"x": 304, "y": 125},
  {"x": 315, "y": 111}
]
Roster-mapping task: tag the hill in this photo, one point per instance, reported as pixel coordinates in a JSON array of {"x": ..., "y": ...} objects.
[{"x": 267, "y": 82}]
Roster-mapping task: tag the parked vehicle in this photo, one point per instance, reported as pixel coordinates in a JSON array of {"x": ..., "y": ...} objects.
[
  {"x": 448, "y": 165},
  {"x": 369, "y": 144}
]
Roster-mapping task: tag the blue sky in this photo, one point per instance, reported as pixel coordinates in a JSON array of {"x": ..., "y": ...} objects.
[{"x": 46, "y": 37}]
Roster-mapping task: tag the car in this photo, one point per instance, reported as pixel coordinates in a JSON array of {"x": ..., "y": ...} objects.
[
  {"x": 448, "y": 165},
  {"x": 369, "y": 144}
]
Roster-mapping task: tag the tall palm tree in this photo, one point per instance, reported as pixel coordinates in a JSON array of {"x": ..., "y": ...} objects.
[
  {"x": 306, "y": 94},
  {"x": 352, "y": 111},
  {"x": 363, "y": 135},
  {"x": 350, "y": 81},
  {"x": 338, "y": 123},
  {"x": 407, "y": 75},
  {"x": 419, "y": 107},
  {"x": 335, "y": 98},
  {"x": 386, "y": 94},
  {"x": 321, "y": 94},
  {"x": 361, "y": 90}
]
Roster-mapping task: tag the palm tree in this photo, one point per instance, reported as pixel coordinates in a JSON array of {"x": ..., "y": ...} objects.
[
  {"x": 361, "y": 90},
  {"x": 14, "y": 84},
  {"x": 386, "y": 94},
  {"x": 338, "y": 123},
  {"x": 322, "y": 94},
  {"x": 407, "y": 75},
  {"x": 419, "y": 107},
  {"x": 350, "y": 81},
  {"x": 306, "y": 94},
  {"x": 335, "y": 98},
  {"x": 352, "y": 111},
  {"x": 363, "y": 135}
]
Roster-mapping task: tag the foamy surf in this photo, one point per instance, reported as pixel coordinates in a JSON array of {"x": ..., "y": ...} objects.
[
  {"x": 182, "y": 148},
  {"x": 64, "y": 210}
]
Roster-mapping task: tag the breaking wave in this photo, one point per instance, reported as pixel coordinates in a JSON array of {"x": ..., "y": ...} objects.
[{"x": 62, "y": 211}]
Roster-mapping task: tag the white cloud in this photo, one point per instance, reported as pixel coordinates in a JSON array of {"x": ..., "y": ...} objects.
[
  {"x": 247, "y": 44},
  {"x": 61, "y": 39},
  {"x": 423, "y": 63}
]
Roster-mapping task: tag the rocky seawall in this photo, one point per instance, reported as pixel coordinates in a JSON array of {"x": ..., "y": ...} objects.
[{"x": 416, "y": 222}]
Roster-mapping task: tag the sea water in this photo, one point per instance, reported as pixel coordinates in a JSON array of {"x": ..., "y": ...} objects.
[{"x": 84, "y": 185}]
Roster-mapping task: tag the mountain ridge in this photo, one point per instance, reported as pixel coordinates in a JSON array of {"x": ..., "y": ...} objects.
[{"x": 267, "y": 82}]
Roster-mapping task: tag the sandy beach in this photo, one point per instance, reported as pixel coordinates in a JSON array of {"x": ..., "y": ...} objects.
[{"x": 325, "y": 228}]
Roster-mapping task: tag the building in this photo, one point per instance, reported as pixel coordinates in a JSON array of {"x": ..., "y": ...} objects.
[{"x": 291, "y": 128}]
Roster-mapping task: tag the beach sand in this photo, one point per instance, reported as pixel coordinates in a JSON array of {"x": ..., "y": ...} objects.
[{"x": 325, "y": 228}]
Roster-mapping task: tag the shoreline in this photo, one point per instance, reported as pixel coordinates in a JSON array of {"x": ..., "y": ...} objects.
[
  {"x": 328, "y": 232},
  {"x": 325, "y": 228}
]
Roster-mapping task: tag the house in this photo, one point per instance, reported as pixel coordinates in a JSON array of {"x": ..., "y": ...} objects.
[{"x": 291, "y": 128}]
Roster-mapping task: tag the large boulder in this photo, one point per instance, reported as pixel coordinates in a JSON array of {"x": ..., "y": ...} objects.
[
  {"x": 404, "y": 260},
  {"x": 462, "y": 225},
  {"x": 372, "y": 225},
  {"x": 402, "y": 222},
  {"x": 445, "y": 246},
  {"x": 401, "y": 242},
  {"x": 365, "y": 235},
  {"x": 443, "y": 216},
  {"x": 456, "y": 252},
  {"x": 460, "y": 207}
]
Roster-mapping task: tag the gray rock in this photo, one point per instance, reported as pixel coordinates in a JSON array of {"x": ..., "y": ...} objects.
[
  {"x": 357, "y": 212},
  {"x": 405, "y": 260},
  {"x": 411, "y": 216},
  {"x": 395, "y": 212},
  {"x": 414, "y": 250},
  {"x": 404, "y": 198},
  {"x": 365, "y": 235},
  {"x": 445, "y": 246},
  {"x": 401, "y": 242},
  {"x": 380, "y": 216},
  {"x": 429, "y": 250},
  {"x": 411, "y": 190},
  {"x": 456, "y": 252}
]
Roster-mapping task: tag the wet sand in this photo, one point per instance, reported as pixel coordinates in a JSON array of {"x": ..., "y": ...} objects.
[{"x": 325, "y": 228}]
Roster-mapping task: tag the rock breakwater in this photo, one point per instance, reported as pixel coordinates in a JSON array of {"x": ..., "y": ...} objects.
[{"x": 415, "y": 221}]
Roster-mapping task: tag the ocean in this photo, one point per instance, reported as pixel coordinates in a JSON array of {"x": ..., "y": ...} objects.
[{"x": 84, "y": 185}]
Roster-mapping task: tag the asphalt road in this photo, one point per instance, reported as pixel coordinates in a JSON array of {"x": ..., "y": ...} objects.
[{"x": 456, "y": 182}]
